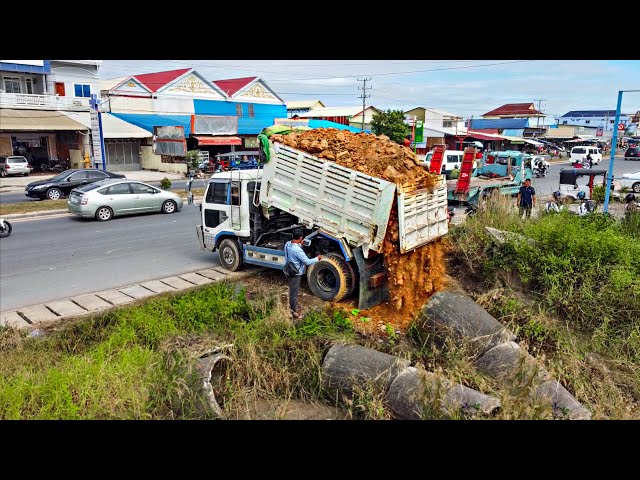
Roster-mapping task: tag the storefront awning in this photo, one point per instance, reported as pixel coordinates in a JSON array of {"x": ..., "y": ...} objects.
[
  {"x": 484, "y": 136},
  {"x": 217, "y": 140},
  {"x": 37, "y": 120}
]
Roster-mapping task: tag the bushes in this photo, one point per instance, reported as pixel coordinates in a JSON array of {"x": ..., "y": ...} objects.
[{"x": 586, "y": 268}]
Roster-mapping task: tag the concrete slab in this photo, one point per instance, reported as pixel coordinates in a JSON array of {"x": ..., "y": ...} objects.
[
  {"x": 66, "y": 308},
  {"x": 212, "y": 274},
  {"x": 157, "y": 286},
  {"x": 195, "y": 278},
  {"x": 114, "y": 296},
  {"x": 136, "y": 291},
  {"x": 177, "y": 283},
  {"x": 90, "y": 302},
  {"x": 38, "y": 313},
  {"x": 12, "y": 319}
]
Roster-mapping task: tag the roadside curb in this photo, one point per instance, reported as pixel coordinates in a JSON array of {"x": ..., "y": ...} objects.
[
  {"x": 32, "y": 316},
  {"x": 44, "y": 213}
]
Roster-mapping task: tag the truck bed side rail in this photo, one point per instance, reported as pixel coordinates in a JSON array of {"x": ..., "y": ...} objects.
[{"x": 342, "y": 202}]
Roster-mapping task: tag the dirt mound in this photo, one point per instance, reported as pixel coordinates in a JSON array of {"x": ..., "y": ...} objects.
[{"x": 373, "y": 155}]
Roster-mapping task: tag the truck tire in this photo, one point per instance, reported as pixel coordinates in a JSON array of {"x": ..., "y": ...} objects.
[
  {"x": 331, "y": 279},
  {"x": 229, "y": 253}
]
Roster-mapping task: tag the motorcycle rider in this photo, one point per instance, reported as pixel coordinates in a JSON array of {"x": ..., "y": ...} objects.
[
  {"x": 633, "y": 207},
  {"x": 554, "y": 205}
]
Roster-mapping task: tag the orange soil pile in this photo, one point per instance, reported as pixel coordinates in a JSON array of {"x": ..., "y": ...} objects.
[
  {"x": 373, "y": 155},
  {"x": 411, "y": 277}
]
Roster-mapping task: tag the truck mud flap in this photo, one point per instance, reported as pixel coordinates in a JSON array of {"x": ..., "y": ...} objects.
[{"x": 372, "y": 290}]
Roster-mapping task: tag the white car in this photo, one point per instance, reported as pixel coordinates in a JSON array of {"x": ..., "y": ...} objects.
[
  {"x": 630, "y": 180},
  {"x": 578, "y": 154}
]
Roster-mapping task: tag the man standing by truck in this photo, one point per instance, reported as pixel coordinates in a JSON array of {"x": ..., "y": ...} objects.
[
  {"x": 293, "y": 252},
  {"x": 526, "y": 198}
]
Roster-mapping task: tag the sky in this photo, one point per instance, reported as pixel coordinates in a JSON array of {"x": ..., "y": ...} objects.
[{"x": 468, "y": 88}]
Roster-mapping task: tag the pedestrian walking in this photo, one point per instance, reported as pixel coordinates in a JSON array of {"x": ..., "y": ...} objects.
[
  {"x": 526, "y": 198},
  {"x": 294, "y": 253}
]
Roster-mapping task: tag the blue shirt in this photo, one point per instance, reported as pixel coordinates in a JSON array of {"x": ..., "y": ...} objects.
[
  {"x": 526, "y": 194},
  {"x": 294, "y": 252}
]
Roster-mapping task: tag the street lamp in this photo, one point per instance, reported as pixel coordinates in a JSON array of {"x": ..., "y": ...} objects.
[{"x": 614, "y": 147}]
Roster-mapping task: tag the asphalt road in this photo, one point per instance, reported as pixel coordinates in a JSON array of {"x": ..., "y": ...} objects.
[
  {"x": 547, "y": 185},
  {"x": 14, "y": 197},
  {"x": 52, "y": 258}
]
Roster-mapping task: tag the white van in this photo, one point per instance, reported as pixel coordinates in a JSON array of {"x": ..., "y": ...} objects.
[
  {"x": 581, "y": 152},
  {"x": 452, "y": 158}
]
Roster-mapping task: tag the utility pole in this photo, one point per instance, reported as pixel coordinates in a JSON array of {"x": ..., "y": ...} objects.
[
  {"x": 364, "y": 96},
  {"x": 539, "y": 100}
]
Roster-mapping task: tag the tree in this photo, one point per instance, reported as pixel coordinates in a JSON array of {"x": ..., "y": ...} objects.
[{"x": 390, "y": 123}]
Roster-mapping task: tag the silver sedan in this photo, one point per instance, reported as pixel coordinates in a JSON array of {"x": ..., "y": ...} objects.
[{"x": 109, "y": 198}]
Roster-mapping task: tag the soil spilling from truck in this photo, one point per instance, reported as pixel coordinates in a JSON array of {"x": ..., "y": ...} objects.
[
  {"x": 373, "y": 155},
  {"x": 412, "y": 277}
]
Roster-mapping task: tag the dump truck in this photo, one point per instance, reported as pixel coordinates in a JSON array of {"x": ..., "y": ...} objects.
[
  {"x": 503, "y": 172},
  {"x": 248, "y": 216}
]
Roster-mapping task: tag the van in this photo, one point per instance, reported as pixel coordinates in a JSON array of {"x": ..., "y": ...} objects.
[
  {"x": 580, "y": 153},
  {"x": 452, "y": 159}
]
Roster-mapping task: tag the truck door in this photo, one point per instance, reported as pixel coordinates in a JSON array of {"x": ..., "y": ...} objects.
[{"x": 216, "y": 210}]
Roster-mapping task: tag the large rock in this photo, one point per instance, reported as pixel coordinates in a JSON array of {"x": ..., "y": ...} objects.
[
  {"x": 456, "y": 315},
  {"x": 415, "y": 393},
  {"x": 348, "y": 366}
]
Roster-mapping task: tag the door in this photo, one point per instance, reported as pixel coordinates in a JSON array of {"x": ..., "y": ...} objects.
[
  {"x": 73, "y": 181},
  {"x": 147, "y": 198},
  {"x": 60, "y": 89},
  {"x": 120, "y": 198}
]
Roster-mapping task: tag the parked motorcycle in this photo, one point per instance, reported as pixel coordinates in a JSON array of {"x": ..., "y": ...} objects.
[{"x": 5, "y": 228}]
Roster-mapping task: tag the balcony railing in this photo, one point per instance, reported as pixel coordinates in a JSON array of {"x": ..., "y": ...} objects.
[{"x": 42, "y": 102}]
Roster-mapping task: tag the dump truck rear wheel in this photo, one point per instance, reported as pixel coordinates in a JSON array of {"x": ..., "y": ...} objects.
[{"x": 331, "y": 279}]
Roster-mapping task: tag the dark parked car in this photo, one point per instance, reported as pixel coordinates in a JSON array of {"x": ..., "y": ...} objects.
[
  {"x": 632, "y": 153},
  {"x": 60, "y": 185}
]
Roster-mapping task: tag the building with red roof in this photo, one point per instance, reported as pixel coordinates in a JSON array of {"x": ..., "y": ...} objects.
[{"x": 514, "y": 110}]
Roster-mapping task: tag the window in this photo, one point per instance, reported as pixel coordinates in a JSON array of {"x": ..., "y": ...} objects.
[
  {"x": 96, "y": 174},
  {"x": 238, "y": 109},
  {"x": 213, "y": 218},
  {"x": 587, "y": 121},
  {"x": 564, "y": 122},
  {"x": 82, "y": 90},
  {"x": 217, "y": 193},
  {"x": 235, "y": 193},
  {"x": 12, "y": 85},
  {"x": 612, "y": 121},
  {"x": 140, "y": 188},
  {"x": 447, "y": 123},
  {"x": 29, "y": 84},
  {"x": 119, "y": 189},
  {"x": 251, "y": 111},
  {"x": 77, "y": 177}
]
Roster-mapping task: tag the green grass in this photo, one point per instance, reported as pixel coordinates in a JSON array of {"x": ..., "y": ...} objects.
[{"x": 137, "y": 362}]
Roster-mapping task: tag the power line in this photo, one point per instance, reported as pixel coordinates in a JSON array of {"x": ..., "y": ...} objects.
[{"x": 364, "y": 96}]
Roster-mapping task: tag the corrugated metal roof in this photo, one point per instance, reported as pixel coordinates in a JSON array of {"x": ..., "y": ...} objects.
[
  {"x": 590, "y": 113},
  {"x": 499, "y": 123},
  {"x": 514, "y": 109},
  {"x": 37, "y": 120},
  {"x": 333, "y": 112},
  {"x": 231, "y": 85},
  {"x": 112, "y": 127},
  {"x": 313, "y": 123},
  {"x": 155, "y": 81},
  {"x": 301, "y": 104}
]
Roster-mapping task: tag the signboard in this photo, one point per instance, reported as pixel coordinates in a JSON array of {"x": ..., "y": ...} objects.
[
  {"x": 621, "y": 126},
  {"x": 599, "y": 132},
  {"x": 169, "y": 140},
  {"x": 33, "y": 63},
  {"x": 419, "y": 132},
  {"x": 214, "y": 125},
  {"x": 97, "y": 140},
  {"x": 30, "y": 140},
  {"x": 251, "y": 142}
]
